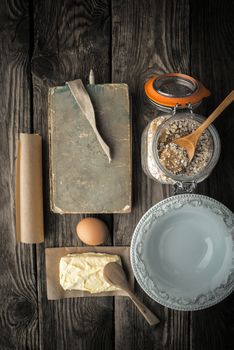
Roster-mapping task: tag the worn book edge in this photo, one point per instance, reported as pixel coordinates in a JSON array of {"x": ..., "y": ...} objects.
[{"x": 56, "y": 209}]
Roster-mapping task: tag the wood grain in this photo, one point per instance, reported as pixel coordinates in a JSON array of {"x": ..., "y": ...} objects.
[
  {"x": 146, "y": 40},
  {"x": 71, "y": 37},
  {"x": 123, "y": 41},
  {"x": 212, "y": 54},
  {"x": 18, "y": 292}
]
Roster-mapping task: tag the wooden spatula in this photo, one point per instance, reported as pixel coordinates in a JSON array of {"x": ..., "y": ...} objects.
[
  {"x": 189, "y": 142},
  {"x": 83, "y": 100},
  {"x": 114, "y": 274}
]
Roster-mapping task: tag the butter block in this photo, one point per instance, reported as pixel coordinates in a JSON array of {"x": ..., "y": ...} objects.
[{"x": 85, "y": 272}]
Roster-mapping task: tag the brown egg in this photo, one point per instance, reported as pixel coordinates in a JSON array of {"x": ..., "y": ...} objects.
[{"x": 92, "y": 231}]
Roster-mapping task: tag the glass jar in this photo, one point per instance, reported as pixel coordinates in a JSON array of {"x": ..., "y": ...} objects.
[
  {"x": 151, "y": 163},
  {"x": 180, "y": 113}
]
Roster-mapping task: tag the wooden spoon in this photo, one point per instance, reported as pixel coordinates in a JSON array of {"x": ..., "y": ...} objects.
[
  {"x": 115, "y": 275},
  {"x": 189, "y": 142}
]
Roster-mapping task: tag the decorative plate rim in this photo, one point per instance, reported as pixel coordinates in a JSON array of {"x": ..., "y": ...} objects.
[{"x": 223, "y": 290}]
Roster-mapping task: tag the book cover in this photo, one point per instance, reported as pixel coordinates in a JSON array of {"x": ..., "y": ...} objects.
[{"x": 81, "y": 178}]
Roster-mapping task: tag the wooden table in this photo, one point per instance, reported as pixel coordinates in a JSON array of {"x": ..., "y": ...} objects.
[{"x": 45, "y": 43}]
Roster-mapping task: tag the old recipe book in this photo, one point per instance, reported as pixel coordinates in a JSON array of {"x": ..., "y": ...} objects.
[{"x": 81, "y": 178}]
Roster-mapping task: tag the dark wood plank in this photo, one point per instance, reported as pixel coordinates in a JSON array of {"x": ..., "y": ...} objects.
[
  {"x": 18, "y": 289},
  {"x": 70, "y": 38},
  {"x": 212, "y": 54},
  {"x": 148, "y": 39}
]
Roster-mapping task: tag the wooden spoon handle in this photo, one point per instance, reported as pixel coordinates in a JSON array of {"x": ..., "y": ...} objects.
[
  {"x": 223, "y": 105},
  {"x": 148, "y": 315}
]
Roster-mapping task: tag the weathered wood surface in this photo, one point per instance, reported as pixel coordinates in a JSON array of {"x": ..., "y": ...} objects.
[
  {"x": 70, "y": 37},
  {"x": 212, "y": 56},
  {"x": 18, "y": 280},
  {"x": 44, "y": 43},
  {"x": 147, "y": 39}
]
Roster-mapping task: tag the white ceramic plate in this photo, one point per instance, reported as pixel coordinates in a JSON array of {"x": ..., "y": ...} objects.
[{"x": 182, "y": 252}]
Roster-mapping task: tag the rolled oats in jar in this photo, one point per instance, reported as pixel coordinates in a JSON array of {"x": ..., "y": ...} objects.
[
  {"x": 176, "y": 96},
  {"x": 148, "y": 161}
]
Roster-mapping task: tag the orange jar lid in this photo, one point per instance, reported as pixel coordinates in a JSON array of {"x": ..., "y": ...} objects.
[{"x": 175, "y": 89}]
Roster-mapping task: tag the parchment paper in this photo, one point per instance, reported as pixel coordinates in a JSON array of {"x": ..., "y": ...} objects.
[
  {"x": 29, "y": 198},
  {"x": 53, "y": 256}
]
